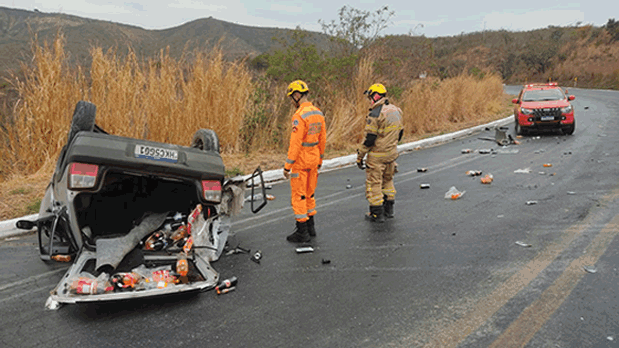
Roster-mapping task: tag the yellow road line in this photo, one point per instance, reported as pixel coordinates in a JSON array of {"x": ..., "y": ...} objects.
[
  {"x": 455, "y": 333},
  {"x": 531, "y": 320}
]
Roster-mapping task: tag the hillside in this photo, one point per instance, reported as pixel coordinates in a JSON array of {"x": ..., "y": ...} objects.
[{"x": 18, "y": 26}]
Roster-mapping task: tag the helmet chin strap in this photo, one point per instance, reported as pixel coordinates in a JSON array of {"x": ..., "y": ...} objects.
[{"x": 296, "y": 101}]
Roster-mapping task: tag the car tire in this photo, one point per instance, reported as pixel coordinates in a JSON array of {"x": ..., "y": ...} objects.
[
  {"x": 519, "y": 130},
  {"x": 83, "y": 119},
  {"x": 205, "y": 140},
  {"x": 569, "y": 130}
]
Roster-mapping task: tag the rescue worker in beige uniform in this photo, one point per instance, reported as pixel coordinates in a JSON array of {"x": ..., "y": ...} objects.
[
  {"x": 383, "y": 131},
  {"x": 305, "y": 155}
]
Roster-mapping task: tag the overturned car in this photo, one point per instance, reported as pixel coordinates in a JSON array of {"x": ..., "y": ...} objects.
[{"x": 138, "y": 218}]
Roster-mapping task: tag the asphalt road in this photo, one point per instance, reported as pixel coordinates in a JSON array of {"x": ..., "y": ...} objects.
[{"x": 442, "y": 273}]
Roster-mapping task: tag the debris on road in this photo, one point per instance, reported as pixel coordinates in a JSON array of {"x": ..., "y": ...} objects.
[
  {"x": 487, "y": 179},
  {"x": 500, "y": 216},
  {"x": 531, "y": 202},
  {"x": 507, "y": 151},
  {"x": 349, "y": 186},
  {"x": 547, "y": 165},
  {"x": 522, "y": 171},
  {"x": 590, "y": 269},
  {"x": 485, "y": 151},
  {"x": 326, "y": 261},
  {"x": 424, "y": 186},
  {"x": 227, "y": 290},
  {"x": 523, "y": 244},
  {"x": 422, "y": 170},
  {"x": 256, "y": 256},
  {"x": 473, "y": 172},
  {"x": 453, "y": 193},
  {"x": 226, "y": 284},
  {"x": 571, "y": 192},
  {"x": 465, "y": 151},
  {"x": 541, "y": 173},
  {"x": 258, "y": 197},
  {"x": 305, "y": 249}
]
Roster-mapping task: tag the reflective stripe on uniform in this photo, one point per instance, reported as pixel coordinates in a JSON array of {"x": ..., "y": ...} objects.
[
  {"x": 388, "y": 129},
  {"x": 379, "y": 154},
  {"x": 309, "y": 144},
  {"x": 289, "y": 161},
  {"x": 294, "y": 175},
  {"x": 310, "y": 113},
  {"x": 311, "y": 212},
  {"x": 300, "y": 216}
]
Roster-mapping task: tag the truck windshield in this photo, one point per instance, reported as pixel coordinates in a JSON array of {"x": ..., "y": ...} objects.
[{"x": 543, "y": 95}]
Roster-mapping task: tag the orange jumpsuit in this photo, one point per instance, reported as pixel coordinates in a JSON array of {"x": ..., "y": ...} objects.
[{"x": 305, "y": 154}]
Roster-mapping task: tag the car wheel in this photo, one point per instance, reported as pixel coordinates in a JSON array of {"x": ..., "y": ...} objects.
[
  {"x": 519, "y": 130},
  {"x": 569, "y": 130},
  {"x": 83, "y": 119},
  {"x": 205, "y": 140}
]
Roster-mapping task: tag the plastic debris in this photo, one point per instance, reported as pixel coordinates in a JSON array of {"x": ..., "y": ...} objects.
[
  {"x": 348, "y": 186},
  {"x": 424, "y": 186},
  {"x": 610, "y": 338},
  {"x": 61, "y": 258},
  {"x": 522, "y": 171},
  {"x": 305, "y": 249},
  {"x": 270, "y": 197},
  {"x": 465, "y": 151},
  {"x": 256, "y": 256},
  {"x": 453, "y": 193},
  {"x": 225, "y": 291},
  {"x": 590, "y": 269},
  {"x": 487, "y": 179},
  {"x": 531, "y": 202},
  {"x": 226, "y": 284},
  {"x": 547, "y": 165},
  {"x": 326, "y": 261},
  {"x": 473, "y": 172},
  {"x": 571, "y": 192},
  {"x": 542, "y": 173},
  {"x": 485, "y": 151},
  {"x": 51, "y": 304},
  {"x": 523, "y": 244},
  {"x": 422, "y": 170}
]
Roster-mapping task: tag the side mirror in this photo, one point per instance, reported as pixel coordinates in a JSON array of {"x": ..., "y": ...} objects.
[
  {"x": 515, "y": 100},
  {"x": 571, "y": 97}
]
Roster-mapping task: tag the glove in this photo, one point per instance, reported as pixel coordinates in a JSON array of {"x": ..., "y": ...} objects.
[
  {"x": 360, "y": 163},
  {"x": 286, "y": 173}
]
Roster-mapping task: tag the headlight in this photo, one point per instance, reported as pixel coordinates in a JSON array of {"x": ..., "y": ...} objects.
[
  {"x": 567, "y": 109},
  {"x": 526, "y": 111}
]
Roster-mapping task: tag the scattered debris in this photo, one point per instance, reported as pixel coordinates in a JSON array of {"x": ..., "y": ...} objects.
[
  {"x": 485, "y": 151},
  {"x": 610, "y": 338},
  {"x": 531, "y": 202},
  {"x": 453, "y": 193},
  {"x": 466, "y": 151},
  {"x": 226, "y": 284},
  {"x": 504, "y": 151},
  {"x": 348, "y": 186},
  {"x": 256, "y": 256},
  {"x": 473, "y": 172},
  {"x": 523, "y": 244},
  {"x": 305, "y": 249},
  {"x": 547, "y": 165},
  {"x": 487, "y": 179},
  {"x": 326, "y": 261},
  {"x": 500, "y": 216},
  {"x": 424, "y": 186},
  {"x": 51, "y": 304},
  {"x": 542, "y": 173},
  {"x": 61, "y": 258},
  {"x": 268, "y": 187},
  {"x": 238, "y": 250},
  {"x": 571, "y": 192},
  {"x": 590, "y": 269},
  {"x": 422, "y": 170},
  {"x": 227, "y": 290},
  {"x": 522, "y": 171}
]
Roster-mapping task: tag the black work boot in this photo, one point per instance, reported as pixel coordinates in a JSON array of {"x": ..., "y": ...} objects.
[
  {"x": 388, "y": 205},
  {"x": 300, "y": 234},
  {"x": 310, "y": 227},
  {"x": 376, "y": 214}
]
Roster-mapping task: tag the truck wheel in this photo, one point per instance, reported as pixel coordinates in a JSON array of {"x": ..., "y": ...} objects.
[
  {"x": 519, "y": 130},
  {"x": 569, "y": 130},
  {"x": 83, "y": 119},
  {"x": 205, "y": 140}
]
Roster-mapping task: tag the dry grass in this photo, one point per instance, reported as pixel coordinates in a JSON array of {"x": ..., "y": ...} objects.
[{"x": 165, "y": 99}]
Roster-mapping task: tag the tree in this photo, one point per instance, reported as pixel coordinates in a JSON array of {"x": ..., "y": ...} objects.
[{"x": 355, "y": 28}]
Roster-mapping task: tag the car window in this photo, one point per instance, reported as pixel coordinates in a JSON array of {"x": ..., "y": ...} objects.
[{"x": 543, "y": 95}]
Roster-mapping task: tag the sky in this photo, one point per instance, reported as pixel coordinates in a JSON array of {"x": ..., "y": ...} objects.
[{"x": 429, "y": 18}]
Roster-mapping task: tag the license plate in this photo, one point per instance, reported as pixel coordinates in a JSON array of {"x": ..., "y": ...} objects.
[
  {"x": 156, "y": 153},
  {"x": 548, "y": 118}
]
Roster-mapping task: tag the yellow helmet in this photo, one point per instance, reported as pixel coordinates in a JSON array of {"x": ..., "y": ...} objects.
[
  {"x": 297, "y": 86},
  {"x": 376, "y": 88}
]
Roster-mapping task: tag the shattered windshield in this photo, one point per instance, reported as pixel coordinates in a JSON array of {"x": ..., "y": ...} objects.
[{"x": 543, "y": 95}]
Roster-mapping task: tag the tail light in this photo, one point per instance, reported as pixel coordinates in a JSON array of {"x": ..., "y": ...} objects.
[
  {"x": 211, "y": 190},
  {"x": 82, "y": 175}
]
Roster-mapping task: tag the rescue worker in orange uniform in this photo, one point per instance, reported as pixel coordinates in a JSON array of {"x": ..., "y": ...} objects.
[
  {"x": 383, "y": 131},
  {"x": 305, "y": 155}
]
